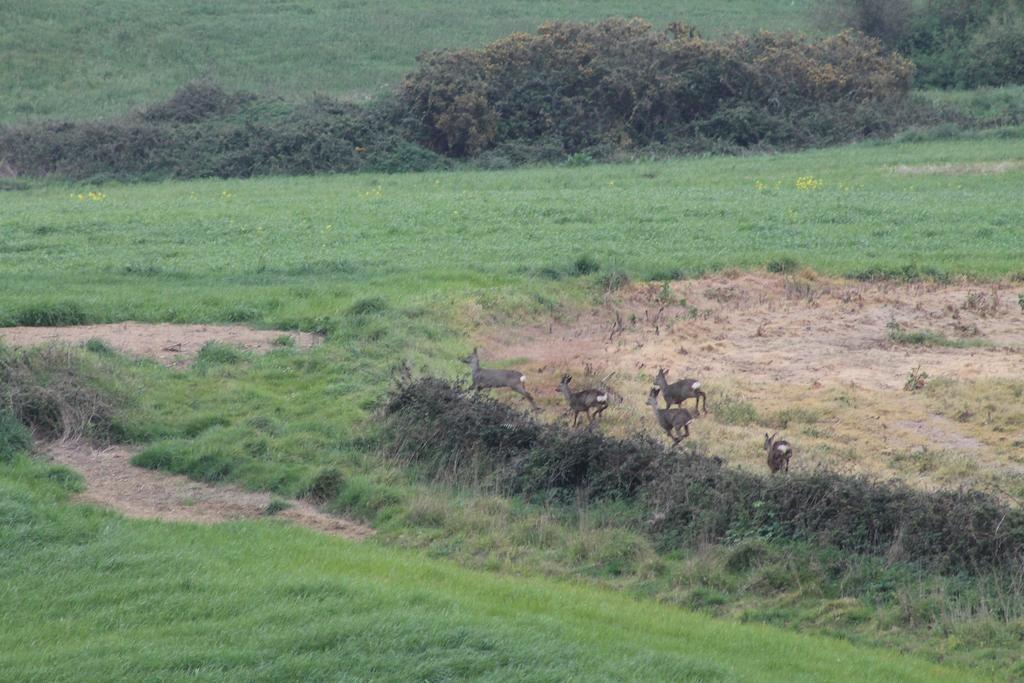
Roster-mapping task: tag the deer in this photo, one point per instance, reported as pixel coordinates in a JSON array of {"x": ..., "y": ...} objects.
[
  {"x": 779, "y": 453},
  {"x": 680, "y": 391},
  {"x": 583, "y": 401},
  {"x": 671, "y": 419},
  {"x": 485, "y": 378}
]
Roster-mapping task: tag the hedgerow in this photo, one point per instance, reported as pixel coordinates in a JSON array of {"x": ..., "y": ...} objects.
[{"x": 464, "y": 439}]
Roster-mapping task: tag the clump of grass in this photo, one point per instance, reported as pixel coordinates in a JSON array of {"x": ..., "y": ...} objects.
[
  {"x": 783, "y": 264},
  {"x": 66, "y": 478},
  {"x": 733, "y": 411},
  {"x": 217, "y": 353},
  {"x": 285, "y": 340},
  {"x": 585, "y": 265},
  {"x": 241, "y": 314},
  {"x": 14, "y": 438},
  {"x": 368, "y": 306},
  {"x": 275, "y": 506},
  {"x": 98, "y": 346},
  {"x": 616, "y": 280},
  {"x": 325, "y": 485},
  {"x": 50, "y": 315},
  {"x": 1020, "y": 301},
  {"x": 898, "y": 335}
]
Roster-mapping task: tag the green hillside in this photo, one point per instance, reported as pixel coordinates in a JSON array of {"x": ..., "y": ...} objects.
[
  {"x": 89, "y": 596},
  {"x": 74, "y": 59}
]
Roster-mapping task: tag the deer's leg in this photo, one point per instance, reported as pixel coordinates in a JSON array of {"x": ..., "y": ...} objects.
[
  {"x": 520, "y": 389},
  {"x": 575, "y": 418},
  {"x": 686, "y": 429},
  {"x": 700, "y": 395}
]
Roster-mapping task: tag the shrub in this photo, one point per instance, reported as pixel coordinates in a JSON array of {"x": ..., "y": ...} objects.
[
  {"x": 56, "y": 393},
  {"x": 98, "y": 346},
  {"x": 14, "y": 438},
  {"x": 585, "y": 265},
  {"x": 619, "y": 84}
]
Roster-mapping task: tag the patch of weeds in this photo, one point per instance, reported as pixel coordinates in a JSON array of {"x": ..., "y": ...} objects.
[
  {"x": 670, "y": 275},
  {"x": 368, "y": 306},
  {"x": 275, "y": 506},
  {"x": 217, "y": 353},
  {"x": 66, "y": 478},
  {"x": 99, "y": 346},
  {"x": 198, "y": 425},
  {"x": 746, "y": 555},
  {"x": 616, "y": 280},
  {"x": 285, "y": 340},
  {"x": 585, "y": 265},
  {"x": 783, "y": 418},
  {"x": 1020, "y": 301},
  {"x": 916, "y": 380},
  {"x": 898, "y": 335},
  {"x": 14, "y": 437},
  {"x": 241, "y": 314},
  {"x": 907, "y": 273},
  {"x": 783, "y": 264},
  {"x": 733, "y": 411},
  {"x": 551, "y": 273},
  {"x": 325, "y": 485},
  {"x": 579, "y": 159},
  {"x": 51, "y": 315}
]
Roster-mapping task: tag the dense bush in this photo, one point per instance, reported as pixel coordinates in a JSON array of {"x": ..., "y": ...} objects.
[
  {"x": 203, "y": 131},
  {"x": 954, "y": 43},
  {"x": 467, "y": 439},
  {"x": 621, "y": 84}
]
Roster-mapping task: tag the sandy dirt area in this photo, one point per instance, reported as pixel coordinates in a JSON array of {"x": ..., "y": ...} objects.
[
  {"x": 112, "y": 481},
  {"x": 816, "y": 359},
  {"x": 169, "y": 344}
]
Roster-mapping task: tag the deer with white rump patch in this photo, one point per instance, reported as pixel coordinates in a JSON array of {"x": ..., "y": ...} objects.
[
  {"x": 485, "y": 378},
  {"x": 679, "y": 391},
  {"x": 671, "y": 419},
  {"x": 779, "y": 453},
  {"x": 583, "y": 401}
]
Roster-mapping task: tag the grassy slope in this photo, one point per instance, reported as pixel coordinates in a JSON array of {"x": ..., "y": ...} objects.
[
  {"x": 78, "y": 58},
  {"x": 90, "y": 596}
]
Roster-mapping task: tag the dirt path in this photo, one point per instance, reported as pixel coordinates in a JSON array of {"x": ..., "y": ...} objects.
[
  {"x": 169, "y": 344},
  {"x": 112, "y": 481}
]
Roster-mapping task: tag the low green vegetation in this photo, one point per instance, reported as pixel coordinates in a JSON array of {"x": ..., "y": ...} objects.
[
  {"x": 89, "y": 596},
  {"x": 898, "y": 335},
  {"x": 128, "y": 53}
]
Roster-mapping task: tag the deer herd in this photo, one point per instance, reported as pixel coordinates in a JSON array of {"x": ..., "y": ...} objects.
[{"x": 593, "y": 402}]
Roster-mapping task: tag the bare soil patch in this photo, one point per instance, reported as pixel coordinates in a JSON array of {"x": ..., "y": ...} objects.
[
  {"x": 977, "y": 168},
  {"x": 170, "y": 344},
  {"x": 810, "y": 357},
  {"x": 112, "y": 481}
]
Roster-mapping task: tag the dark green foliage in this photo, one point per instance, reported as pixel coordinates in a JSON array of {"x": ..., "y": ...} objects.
[
  {"x": 14, "y": 438},
  {"x": 783, "y": 264},
  {"x": 66, "y": 478},
  {"x": 98, "y": 346},
  {"x": 954, "y": 43},
  {"x": 203, "y": 131},
  {"x": 275, "y": 506},
  {"x": 585, "y": 265},
  {"x": 464, "y": 438},
  {"x": 368, "y": 306},
  {"x": 619, "y": 84}
]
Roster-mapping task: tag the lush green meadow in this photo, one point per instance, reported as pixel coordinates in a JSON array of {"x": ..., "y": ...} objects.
[
  {"x": 286, "y": 251},
  {"x": 89, "y": 596}
]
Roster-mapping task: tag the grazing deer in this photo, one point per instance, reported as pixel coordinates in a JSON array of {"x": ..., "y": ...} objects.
[
  {"x": 583, "y": 401},
  {"x": 779, "y": 453},
  {"x": 679, "y": 391},
  {"x": 671, "y": 419},
  {"x": 484, "y": 378}
]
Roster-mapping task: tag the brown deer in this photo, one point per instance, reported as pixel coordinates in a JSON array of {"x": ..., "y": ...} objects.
[
  {"x": 583, "y": 401},
  {"x": 679, "y": 391},
  {"x": 484, "y": 378},
  {"x": 671, "y": 419},
  {"x": 779, "y": 453}
]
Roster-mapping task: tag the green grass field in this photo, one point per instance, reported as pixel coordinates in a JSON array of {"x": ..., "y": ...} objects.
[
  {"x": 280, "y": 251},
  {"x": 89, "y": 596},
  {"x": 76, "y": 59}
]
